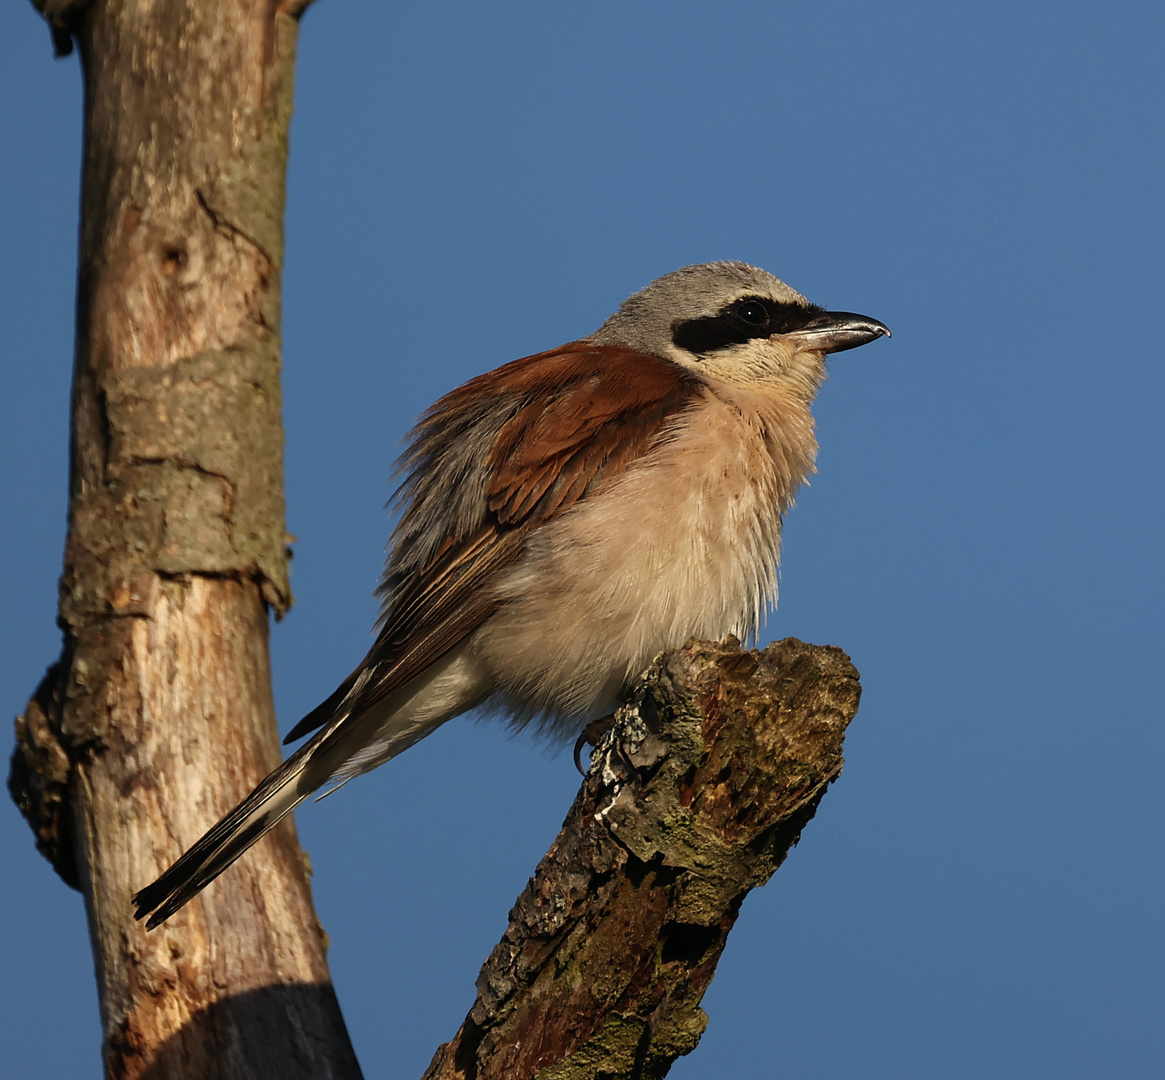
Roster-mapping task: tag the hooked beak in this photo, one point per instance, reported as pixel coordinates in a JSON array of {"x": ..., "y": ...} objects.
[{"x": 836, "y": 331}]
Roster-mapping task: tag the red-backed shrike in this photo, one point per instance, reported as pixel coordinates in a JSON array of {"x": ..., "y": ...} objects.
[{"x": 564, "y": 519}]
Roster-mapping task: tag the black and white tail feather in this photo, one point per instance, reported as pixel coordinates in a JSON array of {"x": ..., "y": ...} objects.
[
  {"x": 308, "y": 769},
  {"x": 373, "y": 716}
]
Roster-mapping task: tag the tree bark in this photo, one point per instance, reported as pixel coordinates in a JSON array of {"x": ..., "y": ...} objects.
[
  {"x": 158, "y": 716},
  {"x": 694, "y": 798}
]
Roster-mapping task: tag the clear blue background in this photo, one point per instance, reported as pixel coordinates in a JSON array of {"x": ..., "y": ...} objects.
[{"x": 981, "y": 893}]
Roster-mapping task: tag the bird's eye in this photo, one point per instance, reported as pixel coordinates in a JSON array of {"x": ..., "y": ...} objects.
[{"x": 752, "y": 312}]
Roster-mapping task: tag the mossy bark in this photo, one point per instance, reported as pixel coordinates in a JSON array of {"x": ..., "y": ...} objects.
[
  {"x": 158, "y": 716},
  {"x": 694, "y": 798}
]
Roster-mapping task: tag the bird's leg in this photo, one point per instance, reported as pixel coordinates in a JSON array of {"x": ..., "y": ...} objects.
[{"x": 591, "y": 734}]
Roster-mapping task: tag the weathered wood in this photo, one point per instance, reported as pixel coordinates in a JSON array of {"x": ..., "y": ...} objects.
[
  {"x": 693, "y": 799},
  {"x": 158, "y": 717}
]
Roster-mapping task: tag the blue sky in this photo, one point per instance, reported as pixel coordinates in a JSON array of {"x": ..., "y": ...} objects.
[{"x": 980, "y": 893}]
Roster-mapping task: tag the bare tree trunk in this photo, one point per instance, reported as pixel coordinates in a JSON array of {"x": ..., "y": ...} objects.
[
  {"x": 695, "y": 797},
  {"x": 158, "y": 717}
]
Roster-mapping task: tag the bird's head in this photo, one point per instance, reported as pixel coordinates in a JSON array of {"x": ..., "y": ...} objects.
[{"x": 736, "y": 324}]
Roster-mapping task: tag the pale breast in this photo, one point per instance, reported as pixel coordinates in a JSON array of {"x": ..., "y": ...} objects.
[{"x": 683, "y": 543}]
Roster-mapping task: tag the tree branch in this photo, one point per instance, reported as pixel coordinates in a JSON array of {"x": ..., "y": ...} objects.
[{"x": 694, "y": 798}]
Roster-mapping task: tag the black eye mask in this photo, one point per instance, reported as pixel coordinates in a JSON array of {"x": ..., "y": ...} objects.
[{"x": 743, "y": 320}]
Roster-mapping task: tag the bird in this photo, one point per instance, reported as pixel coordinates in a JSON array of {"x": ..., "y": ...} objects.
[{"x": 563, "y": 520}]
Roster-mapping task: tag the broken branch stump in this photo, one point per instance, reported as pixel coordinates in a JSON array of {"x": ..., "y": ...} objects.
[{"x": 692, "y": 799}]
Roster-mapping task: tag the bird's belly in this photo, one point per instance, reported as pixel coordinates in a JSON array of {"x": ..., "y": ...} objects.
[{"x": 683, "y": 545}]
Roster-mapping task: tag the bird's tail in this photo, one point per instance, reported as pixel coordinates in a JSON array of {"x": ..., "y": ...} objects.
[
  {"x": 359, "y": 734},
  {"x": 275, "y": 797}
]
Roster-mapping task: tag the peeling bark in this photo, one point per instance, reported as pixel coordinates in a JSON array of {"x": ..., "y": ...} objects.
[
  {"x": 158, "y": 716},
  {"x": 694, "y": 798}
]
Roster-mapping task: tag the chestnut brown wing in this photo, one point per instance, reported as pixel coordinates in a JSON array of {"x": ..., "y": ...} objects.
[{"x": 486, "y": 465}]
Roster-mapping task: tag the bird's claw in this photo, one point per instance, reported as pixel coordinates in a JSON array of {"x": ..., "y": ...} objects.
[{"x": 590, "y": 736}]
